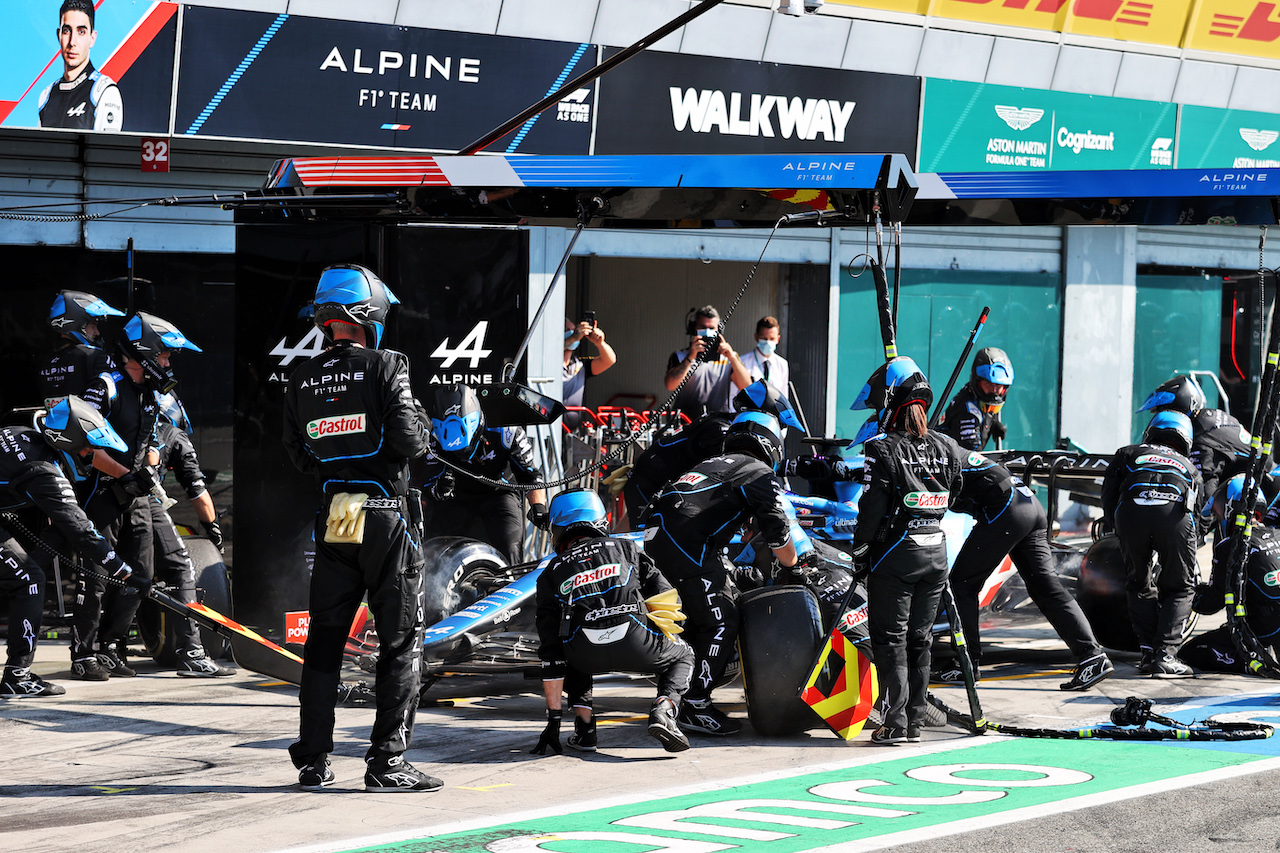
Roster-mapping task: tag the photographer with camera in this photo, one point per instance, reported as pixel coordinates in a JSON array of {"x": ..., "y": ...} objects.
[
  {"x": 717, "y": 379},
  {"x": 579, "y": 367}
]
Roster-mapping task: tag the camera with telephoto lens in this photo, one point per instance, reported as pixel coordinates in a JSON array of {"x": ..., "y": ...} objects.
[{"x": 1134, "y": 712}]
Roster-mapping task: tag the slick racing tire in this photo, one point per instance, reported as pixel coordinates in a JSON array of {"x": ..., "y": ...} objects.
[
  {"x": 778, "y": 640},
  {"x": 1102, "y": 597},
  {"x": 460, "y": 572},
  {"x": 213, "y": 589}
]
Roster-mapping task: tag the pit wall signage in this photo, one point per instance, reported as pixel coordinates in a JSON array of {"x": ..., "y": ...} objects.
[
  {"x": 977, "y": 127},
  {"x": 1242, "y": 27},
  {"x": 1211, "y": 138}
]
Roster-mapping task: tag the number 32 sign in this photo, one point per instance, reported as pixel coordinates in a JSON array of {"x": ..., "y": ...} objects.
[{"x": 155, "y": 155}]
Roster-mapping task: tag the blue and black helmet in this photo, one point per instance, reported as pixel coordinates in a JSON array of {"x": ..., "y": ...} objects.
[
  {"x": 760, "y": 396},
  {"x": 456, "y": 418},
  {"x": 1179, "y": 394},
  {"x": 350, "y": 293},
  {"x": 1171, "y": 429},
  {"x": 172, "y": 410},
  {"x": 576, "y": 512},
  {"x": 991, "y": 364},
  {"x": 144, "y": 338},
  {"x": 74, "y": 310},
  {"x": 757, "y": 434},
  {"x": 891, "y": 386},
  {"x": 72, "y": 425}
]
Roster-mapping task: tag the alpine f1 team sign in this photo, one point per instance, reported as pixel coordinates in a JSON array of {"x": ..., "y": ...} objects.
[
  {"x": 664, "y": 103},
  {"x": 287, "y": 77}
]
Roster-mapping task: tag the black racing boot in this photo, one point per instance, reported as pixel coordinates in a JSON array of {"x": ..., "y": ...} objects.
[
  {"x": 584, "y": 734},
  {"x": 701, "y": 717},
  {"x": 112, "y": 659},
  {"x": 662, "y": 726},
  {"x": 1089, "y": 672},
  {"x": 316, "y": 775},
  {"x": 19, "y": 682},
  {"x": 88, "y": 669},
  {"x": 392, "y": 774}
]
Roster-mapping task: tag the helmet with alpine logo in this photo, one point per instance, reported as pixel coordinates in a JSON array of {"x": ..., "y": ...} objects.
[
  {"x": 1179, "y": 394},
  {"x": 991, "y": 366},
  {"x": 757, "y": 434},
  {"x": 144, "y": 339},
  {"x": 73, "y": 311},
  {"x": 760, "y": 396},
  {"x": 456, "y": 418},
  {"x": 892, "y": 386},
  {"x": 350, "y": 293},
  {"x": 1170, "y": 429},
  {"x": 73, "y": 425},
  {"x": 577, "y": 512}
]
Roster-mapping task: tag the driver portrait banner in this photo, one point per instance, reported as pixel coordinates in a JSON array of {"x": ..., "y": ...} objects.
[
  {"x": 133, "y": 46},
  {"x": 255, "y": 75}
]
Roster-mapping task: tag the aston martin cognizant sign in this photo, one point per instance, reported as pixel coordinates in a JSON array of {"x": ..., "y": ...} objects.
[
  {"x": 664, "y": 103},
  {"x": 286, "y": 77}
]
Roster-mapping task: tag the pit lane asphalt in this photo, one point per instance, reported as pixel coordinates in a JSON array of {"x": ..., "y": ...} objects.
[{"x": 162, "y": 763}]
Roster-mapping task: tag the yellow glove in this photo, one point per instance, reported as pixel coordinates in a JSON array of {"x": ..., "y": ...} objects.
[
  {"x": 617, "y": 479},
  {"x": 346, "y": 518},
  {"x": 665, "y": 614}
]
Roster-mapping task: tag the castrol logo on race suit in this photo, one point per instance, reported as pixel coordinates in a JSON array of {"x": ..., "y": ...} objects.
[
  {"x": 852, "y": 619},
  {"x": 600, "y": 573},
  {"x": 336, "y": 425},
  {"x": 927, "y": 500},
  {"x": 1272, "y": 578},
  {"x": 1158, "y": 459},
  {"x": 976, "y": 459},
  {"x": 692, "y": 478}
]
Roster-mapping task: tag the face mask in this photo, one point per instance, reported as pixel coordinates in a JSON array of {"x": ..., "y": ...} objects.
[
  {"x": 766, "y": 347},
  {"x": 571, "y": 345}
]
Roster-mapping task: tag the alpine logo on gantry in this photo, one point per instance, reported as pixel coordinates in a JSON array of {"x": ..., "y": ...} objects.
[{"x": 745, "y": 114}]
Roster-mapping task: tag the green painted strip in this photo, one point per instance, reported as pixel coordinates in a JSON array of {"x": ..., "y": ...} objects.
[{"x": 818, "y": 809}]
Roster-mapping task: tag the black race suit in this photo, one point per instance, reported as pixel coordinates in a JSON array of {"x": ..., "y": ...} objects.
[
  {"x": 31, "y": 477},
  {"x": 488, "y": 513},
  {"x": 103, "y": 614},
  {"x": 910, "y": 482},
  {"x": 70, "y": 370},
  {"x": 172, "y": 561},
  {"x": 1219, "y": 449},
  {"x": 692, "y": 521},
  {"x": 1215, "y": 650},
  {"x": 1009, "y": 520},
  {"x": 1152, "y": 496},
  {"x": 351, "y": 420},
  {"x": 90, "y": 102},
  {"x": 592, "y": 619},
  {"x": 965, "y": 421},
  {"x": 669, "y": 457}
]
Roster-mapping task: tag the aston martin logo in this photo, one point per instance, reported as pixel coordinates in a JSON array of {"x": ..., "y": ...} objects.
[
  {"x": 1019, "y": 118},
  {"x": 1259, "y": 140}
]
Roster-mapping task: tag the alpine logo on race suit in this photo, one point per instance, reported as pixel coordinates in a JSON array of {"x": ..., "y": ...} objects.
[
  {"x": 336, "y": 425},
  {"x": 927, "y": 500}
]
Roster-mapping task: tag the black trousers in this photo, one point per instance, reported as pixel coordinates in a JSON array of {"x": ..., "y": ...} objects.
[
  {"x": 1022, "y": 532},
  {"x": 104, "y": 612},
  {"x": 388, "y": 565},
  {"x": 173, "y": 567},
  {"x": 1159, "y": 605},
  {"x": 710, "y": 603},
  {"x": 903, "y": 590},
  {"x": 639, "y": 649},
  {"x": 22, "y": 581},
  {"x": 493, "y": 518}
]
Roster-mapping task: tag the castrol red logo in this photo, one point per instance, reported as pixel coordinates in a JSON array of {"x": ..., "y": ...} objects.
[
  {"x": 927, "y": 500},
  {"x": 692, "y": 478},
  {"x": 1158, "y": 459},
  {"x": 600, "y": 573},
  {"x": 336, "y": 425},
  {"x": 852, "y": 619}
]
